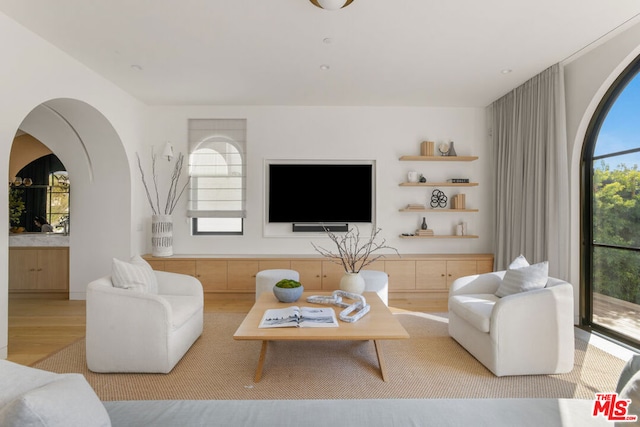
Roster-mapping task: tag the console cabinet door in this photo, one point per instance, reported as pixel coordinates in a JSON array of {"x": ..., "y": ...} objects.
[
  {"x": 212, "y": 274},
  {"x": 180, "y": 266},
  {"x": 431, "y": 275},
  {"x": 484, "y": 266},
  {"x": 310, "y": 273},
  {"x": 331, "y": 275},
  {"x": 241, "y": 275},
  {"x": 402, "y": 275},
  {"x": 460, "y": 268},
  {"x": 274, "y": 264}
]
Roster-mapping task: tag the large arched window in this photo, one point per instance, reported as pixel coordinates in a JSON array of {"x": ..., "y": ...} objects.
[{"x": 611, "y": 212}]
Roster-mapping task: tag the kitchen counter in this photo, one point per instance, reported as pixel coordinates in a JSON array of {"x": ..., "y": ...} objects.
[{"x": 38, "y": 239}]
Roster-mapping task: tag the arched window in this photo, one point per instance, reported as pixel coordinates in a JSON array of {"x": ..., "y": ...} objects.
[
  {"x": 217, "y": 176},
  {"x": 611, "y": 212}
]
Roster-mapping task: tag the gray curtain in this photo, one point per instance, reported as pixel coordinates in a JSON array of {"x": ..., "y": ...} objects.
[{"x": 532, "y": 178}]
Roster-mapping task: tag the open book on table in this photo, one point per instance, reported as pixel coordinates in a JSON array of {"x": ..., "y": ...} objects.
[{"x": 301, "y": 317}]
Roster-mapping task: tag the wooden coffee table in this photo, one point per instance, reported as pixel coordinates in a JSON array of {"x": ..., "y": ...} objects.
[{"x": 379, "y": 324}]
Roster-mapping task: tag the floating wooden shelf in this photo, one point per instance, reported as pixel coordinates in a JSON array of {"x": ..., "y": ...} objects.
[
  {"x": 438, "y": 210},
  {"x": 439, "y": 158},
  {"x": 438, "y": 184},
  {"x": 439, "y": 236}
]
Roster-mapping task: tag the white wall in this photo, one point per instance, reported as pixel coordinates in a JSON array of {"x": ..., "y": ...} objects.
[
  {"x": 35, "y": 73},
  {"x": 328, "y": 133},
  {"x": 587, "y": 78}
]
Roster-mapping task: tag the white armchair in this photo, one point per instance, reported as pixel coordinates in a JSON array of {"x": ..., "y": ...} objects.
[
  {"x": 129, "y": 331},
  {"x": 525, "y": 333}
]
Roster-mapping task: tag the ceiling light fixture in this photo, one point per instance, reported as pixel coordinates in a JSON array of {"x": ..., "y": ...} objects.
[{"x": 331, "y": 4}]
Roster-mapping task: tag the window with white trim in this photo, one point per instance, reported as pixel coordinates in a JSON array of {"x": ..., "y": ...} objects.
[{"x": 217, "y": 171}]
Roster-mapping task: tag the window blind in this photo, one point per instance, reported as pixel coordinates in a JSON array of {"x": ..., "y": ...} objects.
[{"x": 217, "y": 168}]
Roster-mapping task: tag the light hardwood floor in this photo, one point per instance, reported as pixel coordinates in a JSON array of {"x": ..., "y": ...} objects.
[{"x": 39, "y": 327}]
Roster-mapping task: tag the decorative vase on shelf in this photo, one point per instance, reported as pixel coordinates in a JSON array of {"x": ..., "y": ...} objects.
[
  {"x": 452, "y": 150},
  {"x": 161, "y": 235},
  {"x": 352, "y": 282}
]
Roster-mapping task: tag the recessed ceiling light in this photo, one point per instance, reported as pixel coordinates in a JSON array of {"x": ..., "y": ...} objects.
[
  {"x": 325, "y": 67},
  {"x": 327, "y": 40},
  {"x": 506, "y": 71}
]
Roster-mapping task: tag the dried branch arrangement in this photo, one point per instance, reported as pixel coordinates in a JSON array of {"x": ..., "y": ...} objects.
[
  {"x": 173, "y": 195},
  {"x": 354, "y": 253}
]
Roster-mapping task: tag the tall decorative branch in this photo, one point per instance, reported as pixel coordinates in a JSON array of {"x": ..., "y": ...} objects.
[
  {"x": 173, "y": 195},
  {"x": 352, "y": 253}
]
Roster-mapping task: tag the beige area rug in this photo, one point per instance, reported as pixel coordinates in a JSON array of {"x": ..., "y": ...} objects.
[{"x": 428, "y": 365}]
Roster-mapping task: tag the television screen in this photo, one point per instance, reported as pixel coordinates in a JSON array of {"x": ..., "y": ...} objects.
[{"x": 320, "y": 193}]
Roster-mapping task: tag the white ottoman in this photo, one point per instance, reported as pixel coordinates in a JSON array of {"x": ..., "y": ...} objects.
[
  {"x": 266, "y": 279},
  {"x": 378, "y": 282}
]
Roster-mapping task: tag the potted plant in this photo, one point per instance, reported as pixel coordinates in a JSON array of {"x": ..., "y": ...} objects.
[
  {"x": 16, "y": 208},
  {"x": 354, "y": 253},
  {"x": 288, "y": 290}
]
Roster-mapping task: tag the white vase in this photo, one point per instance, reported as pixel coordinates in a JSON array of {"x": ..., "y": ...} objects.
[
  {"x": 352, "y": 282},
  {"x": 161, "y": 235}
]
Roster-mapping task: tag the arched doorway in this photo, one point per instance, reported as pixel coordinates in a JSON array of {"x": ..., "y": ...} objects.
[{"x": 93, "y": 153}]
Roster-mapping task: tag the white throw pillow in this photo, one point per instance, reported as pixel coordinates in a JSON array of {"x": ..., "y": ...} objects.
[
  {"x": 153, "y": 281},
  {"x": 519, "y": 262},
  {"x": 67, "y": 402},
  {"x": 136, "y": 277},
  {"x": 524, "y": 279}
]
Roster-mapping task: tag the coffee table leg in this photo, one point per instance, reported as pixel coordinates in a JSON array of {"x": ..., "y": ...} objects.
[
  {"x": 263, "y": 355},
  {"x": 383, "y": 367}
]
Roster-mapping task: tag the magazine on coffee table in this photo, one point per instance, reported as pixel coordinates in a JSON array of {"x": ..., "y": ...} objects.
[{"x": 299, "y": 317}]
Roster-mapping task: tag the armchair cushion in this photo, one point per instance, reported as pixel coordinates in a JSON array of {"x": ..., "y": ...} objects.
[
  {"x": 474, "y": 308},
  {"x": 524, "y": 279}
]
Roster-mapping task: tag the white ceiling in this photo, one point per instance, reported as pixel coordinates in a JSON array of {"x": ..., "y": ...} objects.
[{"x": 269, "y": 52}]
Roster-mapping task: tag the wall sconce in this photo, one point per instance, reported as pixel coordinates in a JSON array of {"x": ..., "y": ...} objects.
[
  {"x": 168, "y": 151},
  {"x": 331, "y": 4}
]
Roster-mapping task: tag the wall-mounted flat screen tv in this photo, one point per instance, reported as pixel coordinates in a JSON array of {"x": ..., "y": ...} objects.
[{"x": 320, "y": 193}]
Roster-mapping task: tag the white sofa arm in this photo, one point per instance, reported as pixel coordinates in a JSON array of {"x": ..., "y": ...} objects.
[
  {"x": 546, "y": 317},
  {"x": 178, "y": 284},
  {"x": 132, "y": 323},
  {"x": 486, "y": 283}
]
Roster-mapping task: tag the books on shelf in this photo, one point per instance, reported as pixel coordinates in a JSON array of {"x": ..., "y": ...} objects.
[
  {"x": 427, "y": 148},
  {"x": 458, "y": 180},
  {"x": 458, "y": 201},
  {"x": 416, "y": 206},
  {"x": 299, "y": 317},
  {"x": 421, "y": 232}
]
